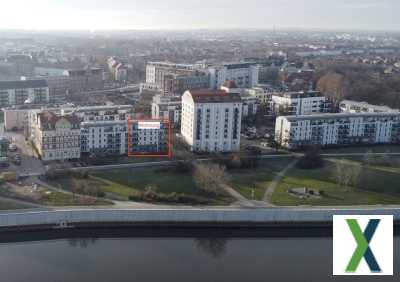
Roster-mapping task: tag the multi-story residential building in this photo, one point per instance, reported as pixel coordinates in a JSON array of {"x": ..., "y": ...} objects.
[
  {"x": 300, "y": 103},
  {"x": 175, "y": 79},
  {"x": 121, "y": 137},
  {"x": 19, "y": 92},
  {"x": 177, "y": 84},
  {"x": 339, "y": 129},
  {"x": 108, "y": 137},
  {"x": 55, "y": 137},
  {"x": 149, "y": 137},
  {"x": 167, "y": 108},
  {"x": 211, "y": 120},
  {"x": 59, "y": 86},
  {"x": 68, "y": 81},
  {"x": 348, "y": 106},
  {"x": 263, "y": 94},
  {"x": 245, "y": 75}
]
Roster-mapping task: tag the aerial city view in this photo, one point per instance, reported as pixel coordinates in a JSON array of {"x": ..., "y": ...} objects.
[{"x": 213, "y": 140}]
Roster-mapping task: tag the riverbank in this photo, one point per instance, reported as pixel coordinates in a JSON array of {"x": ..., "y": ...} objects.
[{"x": 207, "y": 218}]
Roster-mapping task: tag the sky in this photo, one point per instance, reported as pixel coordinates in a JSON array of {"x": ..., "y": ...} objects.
[{"x": 199, "y": 14}]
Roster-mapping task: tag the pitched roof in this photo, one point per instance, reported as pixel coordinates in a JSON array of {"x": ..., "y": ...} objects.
[
  {"x": 21, "y": 84},
  {"x": 49, "y": 119},
  {"x": 214, "y": 96}
]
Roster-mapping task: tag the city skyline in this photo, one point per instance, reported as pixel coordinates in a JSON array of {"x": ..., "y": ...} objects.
[{"x": 191, "y": 14}]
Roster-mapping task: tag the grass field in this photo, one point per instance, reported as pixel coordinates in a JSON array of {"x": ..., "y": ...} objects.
[
  {"x": 8, "y": 205},
  {"x": 376, "y": 185},
  {"x": 123, "y": 183},
  {"x": 244, "y": 181}
]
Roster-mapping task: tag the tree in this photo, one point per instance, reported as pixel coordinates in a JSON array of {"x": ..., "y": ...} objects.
[
  {"x": 312, "y": 158},
  {"x": 210, "y": 177},
  {"x": 346, "y": 175},
  {"x": 332, "y": 85}
]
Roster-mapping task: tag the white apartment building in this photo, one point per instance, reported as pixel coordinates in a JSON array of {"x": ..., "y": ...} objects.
[
  {"x": 263, "y": 94},
  {"x": 300, "y": 103},
  {"x": 167, "y": 108},
  {"x": 211, "y": 120},
  {"x": 339, "y": 129},
  {"x": 116, "y": 138},
  {"x": 348, "y": 106},
  {"x": 56, "y": 137},
  {"x": 108, "y": 137},
  {"x": 245, "y": 75},
  {"x": 19, "y": 92}
]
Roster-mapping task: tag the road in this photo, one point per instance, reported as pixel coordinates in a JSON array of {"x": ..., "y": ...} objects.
[{"x": 30, "y": 164}]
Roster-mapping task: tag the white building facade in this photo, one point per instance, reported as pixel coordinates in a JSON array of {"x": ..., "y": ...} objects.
[
  {"x": 211, "y": 121},
  {"x": 340, "y": 129},
  {"x": 245, "y": 75},
  {"x": 348, "y": 106},
  {"x": 300, "y": 103},
  {"x": 167, "y": 108}
]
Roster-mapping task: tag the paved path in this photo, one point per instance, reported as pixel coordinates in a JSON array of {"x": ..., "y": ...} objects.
[
  {"x": 241, "y": 200},
  {"x": 275, "y": 182}
]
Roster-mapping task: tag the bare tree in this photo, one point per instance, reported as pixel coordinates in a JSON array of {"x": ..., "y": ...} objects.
[
  {"x": 210, "y": 177},
  {"x": 333, "y": 86},
  {"x": 346, "y": 175}
]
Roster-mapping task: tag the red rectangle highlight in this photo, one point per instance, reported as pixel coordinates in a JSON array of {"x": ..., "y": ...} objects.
[{"x": 150, "y": 124}]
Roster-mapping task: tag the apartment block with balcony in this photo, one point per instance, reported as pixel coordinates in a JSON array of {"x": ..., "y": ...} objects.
[
  {"x": 300, "y": 103},
  {"x": 211, "y": 120},
  {"x": 339, "y": 129}
]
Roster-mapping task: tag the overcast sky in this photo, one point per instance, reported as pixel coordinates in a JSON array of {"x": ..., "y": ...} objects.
[{"x": 194, "y": 14}]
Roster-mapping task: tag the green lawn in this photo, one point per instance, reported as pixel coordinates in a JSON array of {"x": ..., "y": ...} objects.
[
  {"x": 127, "y": 182},
  {"x": 364, "y": 149},
  {"x": 64, "y": 199},
  {"x": 245, "y": 180},
  {"x": 8, "y": 205},
  {"x": 139, "y": 179},
  {"x": 375, "y": 186}
]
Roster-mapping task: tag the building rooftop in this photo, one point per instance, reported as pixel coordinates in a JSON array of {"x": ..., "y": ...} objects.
[
  {"x": 23, "y": 84},
  {"x": 298, "y": 94},
  {"x": 49, "y": 119},
  {"x": 103, "y": 123},
  {"x": 368, "y": 106},
  {"x": 214, "y": 96},
  {"x": 340, "y": 115}
]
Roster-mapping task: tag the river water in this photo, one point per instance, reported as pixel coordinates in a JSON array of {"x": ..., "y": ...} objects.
[{"x": 97, "y": 257}]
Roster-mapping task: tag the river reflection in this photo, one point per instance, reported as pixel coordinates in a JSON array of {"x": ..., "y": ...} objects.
[{"x": 197, "y": 259}]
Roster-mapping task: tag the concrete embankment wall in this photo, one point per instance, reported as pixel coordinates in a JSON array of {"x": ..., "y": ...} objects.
[{"x": 177, "y": 217}]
